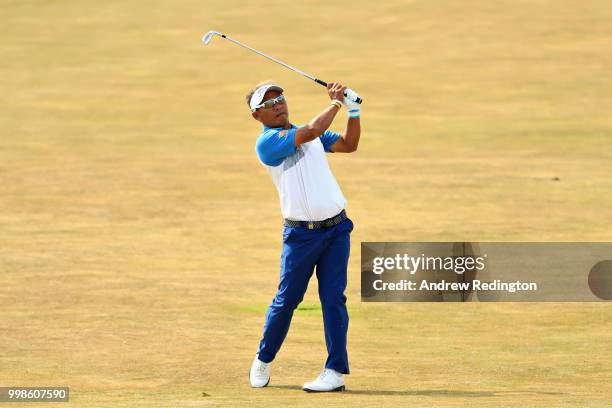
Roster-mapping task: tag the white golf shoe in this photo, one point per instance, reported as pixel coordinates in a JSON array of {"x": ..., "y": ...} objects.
[
  {"x": 328, "y": 380},
  {"x": 260, "y": 373}
]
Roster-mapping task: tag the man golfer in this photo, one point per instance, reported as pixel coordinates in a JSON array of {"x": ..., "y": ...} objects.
[{"x": 316, "y": 232}]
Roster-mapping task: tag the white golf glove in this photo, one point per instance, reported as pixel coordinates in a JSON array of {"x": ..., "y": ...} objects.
[{"x": 353, "y": 108}]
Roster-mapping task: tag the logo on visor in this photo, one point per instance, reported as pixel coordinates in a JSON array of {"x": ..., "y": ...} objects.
[{"x": 260, "y": 93}]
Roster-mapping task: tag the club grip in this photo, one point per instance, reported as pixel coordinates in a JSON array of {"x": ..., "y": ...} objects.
[{"x": 318, "y": 81}]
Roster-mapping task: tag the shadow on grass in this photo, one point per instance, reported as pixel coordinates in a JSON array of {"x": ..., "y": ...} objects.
[
  {"x": 303, "y": 308},
  {"x": 432, "y": 393}
]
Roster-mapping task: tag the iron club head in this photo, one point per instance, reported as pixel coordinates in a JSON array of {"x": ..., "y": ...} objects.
[{"x": 208, "y": 36}]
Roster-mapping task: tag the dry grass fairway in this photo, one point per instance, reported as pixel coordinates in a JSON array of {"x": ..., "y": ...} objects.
[{"x": 139, "y": 236}]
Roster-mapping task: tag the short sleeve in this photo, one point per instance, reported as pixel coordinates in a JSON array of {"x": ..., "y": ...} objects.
[
  {"x": 328, "y": 138},
  {"x": 274, "y": 145}
]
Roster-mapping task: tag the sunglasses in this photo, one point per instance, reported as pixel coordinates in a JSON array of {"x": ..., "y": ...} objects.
[{"x": 270, "y": 102}]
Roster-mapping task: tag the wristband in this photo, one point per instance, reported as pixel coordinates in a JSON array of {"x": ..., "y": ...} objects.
[
  {"x": 354, "y": 113},
  {"x": 336, "y": 103}
]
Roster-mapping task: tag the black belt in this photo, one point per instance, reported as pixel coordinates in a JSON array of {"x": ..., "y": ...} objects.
[{"x": 330, "y": 222}]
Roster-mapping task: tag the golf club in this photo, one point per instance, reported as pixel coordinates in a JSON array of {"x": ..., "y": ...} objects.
[{"x": 209, "y": 35}]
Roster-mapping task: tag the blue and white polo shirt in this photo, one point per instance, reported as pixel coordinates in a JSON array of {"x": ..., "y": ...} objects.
[{"x": 307, "y": 189}]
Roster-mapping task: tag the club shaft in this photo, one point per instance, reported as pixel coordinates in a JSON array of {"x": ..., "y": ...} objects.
[
  {"x": 318, "y": 81},
  {"x": 274, "y": 60}
]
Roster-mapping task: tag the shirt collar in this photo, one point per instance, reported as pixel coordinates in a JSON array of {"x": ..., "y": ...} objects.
[{"x": 268, "y": 128}]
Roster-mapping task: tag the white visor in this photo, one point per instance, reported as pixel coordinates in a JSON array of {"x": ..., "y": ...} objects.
[{"x": 259, "y": 93}]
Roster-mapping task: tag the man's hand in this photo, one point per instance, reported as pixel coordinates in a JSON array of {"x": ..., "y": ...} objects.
[
  {"x": 349, "y": 100},
  {"x": 336, "y": 91}
]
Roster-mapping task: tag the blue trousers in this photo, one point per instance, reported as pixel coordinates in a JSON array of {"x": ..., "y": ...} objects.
[{"x": 327, "y": 249}]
